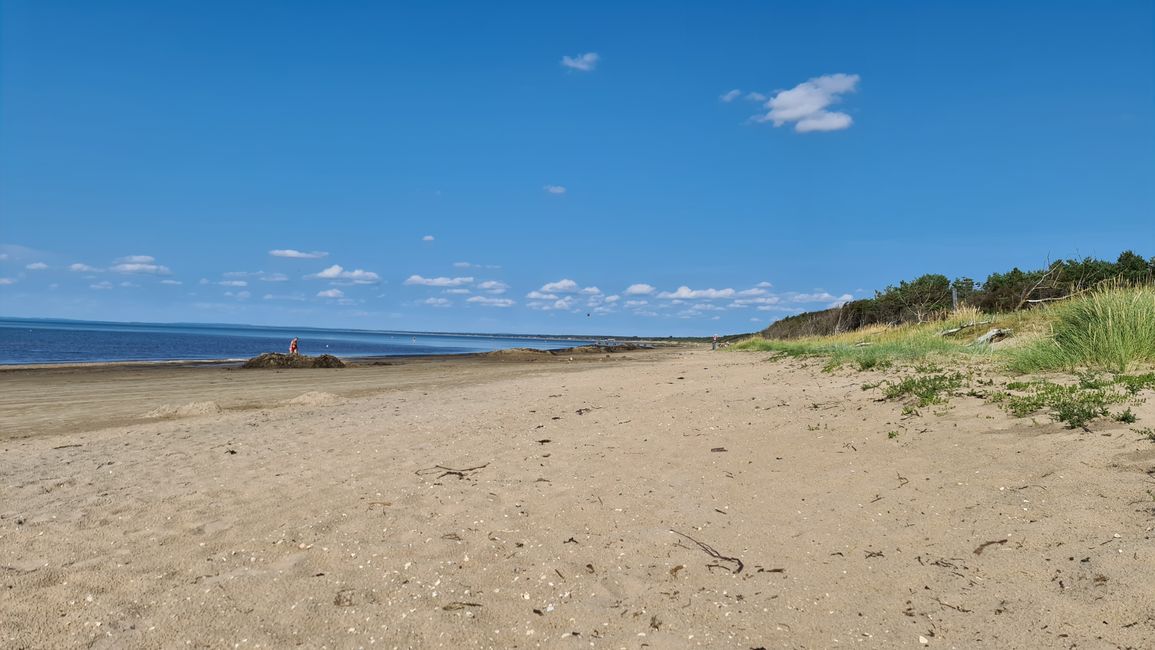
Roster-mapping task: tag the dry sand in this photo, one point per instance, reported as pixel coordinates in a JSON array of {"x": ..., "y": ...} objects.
[{"x": 669, "y": 499}]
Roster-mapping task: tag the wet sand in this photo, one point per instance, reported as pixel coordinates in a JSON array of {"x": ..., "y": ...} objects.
[{"x": 664, "y": 499}]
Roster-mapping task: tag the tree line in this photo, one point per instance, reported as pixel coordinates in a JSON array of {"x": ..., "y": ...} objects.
[{"x": 930, "y": 295}]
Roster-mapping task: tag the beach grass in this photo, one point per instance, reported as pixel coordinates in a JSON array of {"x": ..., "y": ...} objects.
[{"x": 1111, "y": 328}]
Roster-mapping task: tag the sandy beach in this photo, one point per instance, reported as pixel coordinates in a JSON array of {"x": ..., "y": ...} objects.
[{"x": 673, "y": 498}]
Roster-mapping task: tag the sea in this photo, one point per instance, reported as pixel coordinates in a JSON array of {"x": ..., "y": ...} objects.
[{"x": 46, "y": 341}]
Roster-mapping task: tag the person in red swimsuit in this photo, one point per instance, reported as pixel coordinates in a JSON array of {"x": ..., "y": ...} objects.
[{"x": 293, "y": 346}]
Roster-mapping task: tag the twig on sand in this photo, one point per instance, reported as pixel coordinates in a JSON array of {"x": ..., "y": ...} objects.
[
  {"x": 449, "y": 471},
  {"x": 709, "y": 550},
  {"x": 982, "y": 547},
  {"x": 459, "y": 605},
  {"x": 902, "y": 480}
]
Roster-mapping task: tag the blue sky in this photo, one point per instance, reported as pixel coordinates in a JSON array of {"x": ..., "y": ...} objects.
[{"x": 522, "y": 168}]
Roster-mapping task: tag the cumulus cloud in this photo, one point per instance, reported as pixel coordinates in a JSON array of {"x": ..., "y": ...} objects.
[
  {"x": 427, "y": 238},
  {"x": 83, "y": 268},
  {"x": 233, "y": 283},
  {"x": 730, "y": 96},
  {"x": 491, "y": 302},
  {"x": 493, "y": 286},
  {"x": 806, "y": 104},
  {"x": 821, "y": 296},
  {"x": 636, "y": 303},
  {"x": 458, "y": 292},
  {"x": 140, "y": 264},
  {"x": 538, "y": 295},
  {"x": 561, "y": 286},
  {"x": 686, "y": 293},
  {"x": 640, "y": 289},
  {"x": 591, "y": 291},
  {"x": 356, "y": 276},
  {"x": 555, "y": 189},
  {"x": 331, "y": 293},
  {"x": 438, "y": 302},
  {"x": 437, "y": 282},
  {"x": 840, "y": 301},
  {"x": 299, "y": 255},
  {"x": 172, "y": 282},
  {"x": 36, "y": 266},
  {"x": 584, "y": 62}
]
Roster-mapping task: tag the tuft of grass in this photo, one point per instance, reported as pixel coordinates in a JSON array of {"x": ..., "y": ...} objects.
[{"x": 1112, "y": 328}]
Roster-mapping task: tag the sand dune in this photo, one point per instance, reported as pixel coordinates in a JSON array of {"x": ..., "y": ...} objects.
[{"x": 660, "y": 499}]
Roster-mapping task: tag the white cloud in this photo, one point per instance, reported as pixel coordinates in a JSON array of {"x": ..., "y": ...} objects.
[
  {"x": 141, "y": 267},
  {"x": 584, "y": 62},
  {"x": 3, "y": 256},
  {"x": 331, "y": 293},
  {"x": 427, "y": 238},
  {"x": 591, "y": 291},
  {"x": 812, "y": 297},
  {"x": 294, "y": 297},
  {"x": 760, "y": 300},
  {"x": 840, "y": 301},
  {"x": 640, "y": 289},
  {"x": 537, "y": 295},
  {"x": 356, "y": 276},
  {"x": 563, "y": 286},
  {"x": 101, "y": 286},
  {"x": 686, "y": 293},
  {"x": 171, "y": 282},
  {"x": 6, "y": 281},
  {"x": 731, "y": 96},
  {"x": 130, "y": 285},
  {"x": 470, "y": 265},
  {"x": 805, "y": 104},
  {"x": 613, "y": 298},
  {"x": 491, "y": 302},
  {"x": 764, "y": 285},
  {"x": 136, "y": 259},
  {"x": 233, "y": 283},
  {"x": 752, "y": 292},
  {"x": 756, "y": 97},
  {"x": 83, "y": 268},
  {"x": 36, "y": 266},
  {"x": 493, "y": 286},
  {"x": 299, "y": 255},
  {"x": 239, "y": 295},
  {"x": 636, "y": 303},
  {"x": 554, "y": 189},
  {"x": 458, "y": 292},
  {"x": 438, "y": 302},
  {"x": 437, "y": 282}
]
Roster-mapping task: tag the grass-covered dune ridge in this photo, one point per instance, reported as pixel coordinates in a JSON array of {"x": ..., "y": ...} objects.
[{"x": 1110, "y": 328}]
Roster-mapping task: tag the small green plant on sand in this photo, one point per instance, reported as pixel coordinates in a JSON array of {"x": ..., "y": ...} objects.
[
  {"x": 1075, "y": 405},
  {"x": 926, "y": 389},
  {"x": 1126, "y": 417},
  {"x": 1146, "y": 432},
  {"x": 892, "y": 434}
]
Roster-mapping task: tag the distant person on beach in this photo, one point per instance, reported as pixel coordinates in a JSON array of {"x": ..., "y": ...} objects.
[
  {"x": 715, "y": 344},
  {"x": 293, "y": 346}
]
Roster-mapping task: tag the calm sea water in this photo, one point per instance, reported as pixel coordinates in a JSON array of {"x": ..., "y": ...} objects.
[{"x": 53, "y": 341}]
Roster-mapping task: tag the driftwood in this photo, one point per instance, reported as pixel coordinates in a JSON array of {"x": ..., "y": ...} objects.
[
  {"x": 960, "y": 328},
  {"x": 992, "y": 336}
]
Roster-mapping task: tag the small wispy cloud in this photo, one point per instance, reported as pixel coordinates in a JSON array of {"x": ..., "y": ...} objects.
[
  {"x": 686, "y": 293},
  {"x": 437, "y": 302},
  {"x": 730, "y": 96},
  {"x": 437, "y": 282},
  {"x": 486, "y": 301},
  {"x": 806, "y": 104},
  {"x": 640, "y": 289},
  {"x": 584, "y": 62},
  {"x": 6, "y": 281},
  {"x": 428, "y": 238},
  {"x": 299, "y": 255},
  {"x": 355, "y": 276},
  {"x": 104, "y": 285},
  {"x": 561, "y": 286},
  {"x": 331, "y": 293},
  {"x": 83, "y": 268},
  {"x": 36, "y": 266},
  {"x": 555, "y": 189},
  {"x": 174, "y": 283},
  {"x": 139, "y": 264},
  {"x": 233, "y": 283},
  {"x": 493, "y": 286},
  {"x": 471, "y": 265}
]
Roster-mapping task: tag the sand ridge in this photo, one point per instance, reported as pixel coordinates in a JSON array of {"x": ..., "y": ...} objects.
[{"x": 693, "y": 499}]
